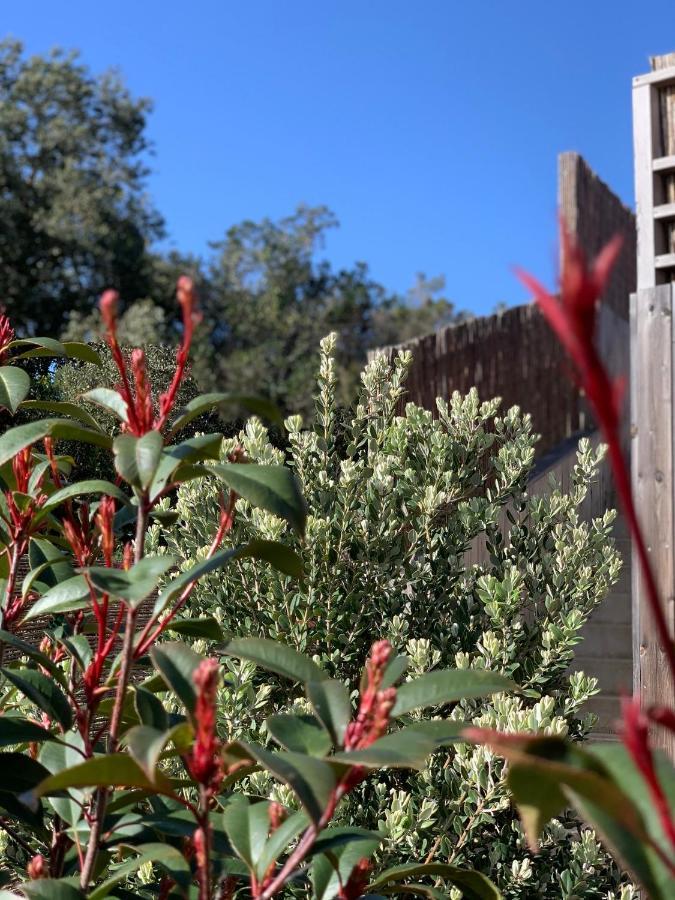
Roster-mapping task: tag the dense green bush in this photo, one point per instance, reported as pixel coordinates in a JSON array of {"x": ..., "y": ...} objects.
[{"x": 395, "y": 502}]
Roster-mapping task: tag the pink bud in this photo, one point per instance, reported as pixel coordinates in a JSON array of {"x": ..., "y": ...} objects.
[{"x": 108, "y": 305}]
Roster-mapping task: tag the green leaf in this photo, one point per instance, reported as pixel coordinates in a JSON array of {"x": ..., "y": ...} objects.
[
  {"x": 330, "y": 701},
  {"x": 273, "y": 488},
  {"x": 163, "y": 855},
  {"x": 79, "y": 488},
  {"x": 407, "y": 749},
  {"x": 205, "y": 402},
  {"x": 52, "y": 889},
  {"x": 16, "y": 439},
  {"x": 279, "y": 840},
  {"x": 26, "y": 649},
  {"x": 277, "y": 554},
  {"x": 44, "y": 343},
  {"x": 14, "y": 386},
  {"x": 275, "y": 657},
  {"x": 150, "y": 710},
  {"x": 146, "y": 744},
  {"x": 205, "y": 627},
  {"x": 247, "y": 826},
  {"x": 109, "y": 400},
  {"x": 43, "y": 692},
  {"x": 474, "y": 885},
  {"x": 137, "y": 458},
  {"x": 64, "y": 408},
  {"x": 83, "y": 352},
  {"x": 176, "y": 458},
  {"x": 311, "y": 779},
  {"x": 134, "y": 584},
  {"x": 395, "y": 668},
  {"x": 332, "y": 869},
  {"x": 115, "y": 770},
  {"x": 547, "y": 774},
  {"x": 448, "y": 686},
  {"x": 19, "y": 772},
  {"x": 15, "y": 730},
  {"x": 303, "y": 734},
  {"x": 176, "y": 663},
  {"x": 67, "y": 596}
]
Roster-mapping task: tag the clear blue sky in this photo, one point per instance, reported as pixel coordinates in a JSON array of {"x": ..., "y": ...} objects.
[{"x": 430, "y": 127}]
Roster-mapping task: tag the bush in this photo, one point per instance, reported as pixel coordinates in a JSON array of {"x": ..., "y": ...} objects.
[{"x": 395, "y": 502}]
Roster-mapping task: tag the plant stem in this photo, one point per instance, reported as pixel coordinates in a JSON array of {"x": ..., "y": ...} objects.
[{"x": 101, "y": 801}]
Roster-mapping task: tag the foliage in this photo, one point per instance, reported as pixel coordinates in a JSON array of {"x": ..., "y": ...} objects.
[
  {"x": 396, "y": 501},
  {"x": 114, "y": 778},
  {"x": 72, "y": 180}
]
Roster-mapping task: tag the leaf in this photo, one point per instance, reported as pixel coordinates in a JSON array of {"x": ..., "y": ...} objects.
[
  {"x": 16, "y": 730},
  {"x": 137, "y": 458},
  {"x": 176, "y": 663},
  {"x": 115, "y": 770},
  {"x": 275, "y": 657},
  {"x": 43, "y": 692},
  {"x": 43, "y": 343},
  {"x": 407, "y": 749},
  {"x": 150, "y": 710},
  {"x": 547, "y": 774},
  {"x": 474, "y": 885},
  {"x": 448, "y": 686},
  {"x": 79, "y": 488},
  {"x": 67, "y": 596},
  {"x": 146, "y": 744},
  {"x": 205, "y": 402},
  {"x": 26, "y": 649},
  {"x": 134, "y": 584},
  {"x": 19, "y": 772},
  {"x": 395, "y": 668},
  {"x": 14, "y": 386},
  {"x": 52, "y": 889},
  {"x": 83, "y": 352},
  {"x": 332, "y": 868},
  {"x": 16, "y": 439},
  {"x": 64, "y": 408},
  {"x": 109, "y": 400},
  {"x": 273, "y": 488},
  {"x": 164, "y": 855},
  {"x": 302, "y": 734},
  {"x": 311, "y": 779},
  {"x": 279, "y": 555},
  {"x": 279, "y": 840},
  {"x": 247, "y": 826},
  {"x": 205, "y": 627},
  {"x": 330, "y": 701}
]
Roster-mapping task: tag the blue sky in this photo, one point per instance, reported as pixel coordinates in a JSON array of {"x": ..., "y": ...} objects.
[{"x": 430, "y": 127}]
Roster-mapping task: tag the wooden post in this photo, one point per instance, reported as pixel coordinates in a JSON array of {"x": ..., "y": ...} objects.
[{"x": 653, "y": 372}]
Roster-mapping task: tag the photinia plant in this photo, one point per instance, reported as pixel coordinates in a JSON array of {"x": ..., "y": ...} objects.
[
  {"x": 114, "y": 779},
  {"x": 626, "y": 792}
]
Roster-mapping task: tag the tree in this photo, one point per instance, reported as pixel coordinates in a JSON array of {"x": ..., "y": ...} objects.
[
  {"x": 73, "y": 212},
  {"x": 269, "y": 301}
]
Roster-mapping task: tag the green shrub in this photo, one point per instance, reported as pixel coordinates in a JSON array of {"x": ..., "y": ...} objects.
[{"x": 395, "y": 502}]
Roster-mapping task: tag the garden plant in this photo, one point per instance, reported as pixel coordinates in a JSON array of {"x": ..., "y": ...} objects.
[
  {"x": 116, "y": 775},
  {"x": 397, "y": 498}
]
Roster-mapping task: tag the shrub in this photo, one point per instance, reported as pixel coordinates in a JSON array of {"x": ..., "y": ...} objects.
[
  {"x": 114, "y": 778},
  {"x": 395, "y": 502}
]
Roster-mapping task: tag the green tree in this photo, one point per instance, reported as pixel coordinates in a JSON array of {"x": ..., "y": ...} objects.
[
  {"x": 73, "y": 211},
  {"x": 269, "y": 301}
]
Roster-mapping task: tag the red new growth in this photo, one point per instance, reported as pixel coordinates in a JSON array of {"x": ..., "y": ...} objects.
[
  {"x": 139, "y": 401},
  {"x": 6, "y": 336},
  {"x": 376, "y": 705},
  {"x": 205, "y": 761}
]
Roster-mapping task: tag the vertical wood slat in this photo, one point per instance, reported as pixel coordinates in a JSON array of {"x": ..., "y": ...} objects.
[
  {"x": 653, "y": 485},
  {"x": 645, "y": 145}
]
